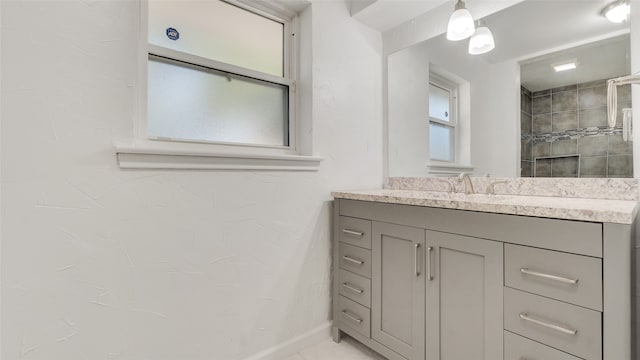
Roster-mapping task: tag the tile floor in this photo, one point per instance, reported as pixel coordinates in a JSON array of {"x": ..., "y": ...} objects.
[{"x": 347, "y": 349}]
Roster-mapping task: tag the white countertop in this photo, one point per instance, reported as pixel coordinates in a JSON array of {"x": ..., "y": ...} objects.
[{"x": 582, "y": 209}]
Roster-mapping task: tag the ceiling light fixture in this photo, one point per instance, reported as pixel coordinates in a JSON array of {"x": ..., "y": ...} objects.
[
  {"x": 565, "y": 66},
  {"x": 460, "y": 24},
  {"x": 482, "y": 40},
  {"x": 617, "y": 11}
]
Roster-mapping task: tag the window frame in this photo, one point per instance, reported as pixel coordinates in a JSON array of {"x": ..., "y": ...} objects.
[
  {"x": 288, "y": 79},
  {"x": 138, "y": 151},
  {"x": 452, "y": 88}
]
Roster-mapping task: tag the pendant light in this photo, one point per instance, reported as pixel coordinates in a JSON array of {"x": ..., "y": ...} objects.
[
  {"x": 460, "y": 24},
  {"x": 482, "y": 40},
  {"x": 617, "y": 11}
]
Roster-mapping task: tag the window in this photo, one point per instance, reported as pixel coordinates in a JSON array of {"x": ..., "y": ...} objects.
[
  {"x": 219, "y": 72},
  {"x": 442, "y": 119},
  {"x": 220, "y": 88}
]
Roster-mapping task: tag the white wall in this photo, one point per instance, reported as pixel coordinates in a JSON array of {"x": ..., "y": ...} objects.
[
  {"x": 494, "y": 122},
  {"x": 407, "y": 104},
  {"x": 100, "y": 263},
  {"x": 635, "y": 89},
  {"x": 347, "y": 97}
]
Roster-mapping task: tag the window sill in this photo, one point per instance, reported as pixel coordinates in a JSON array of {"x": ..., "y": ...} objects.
[
  {"x": 448, "y": 169},
  {"x": 161, "y": 158}
]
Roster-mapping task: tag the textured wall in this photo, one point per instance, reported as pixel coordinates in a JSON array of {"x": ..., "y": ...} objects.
[{"x": 100, "y": 263}]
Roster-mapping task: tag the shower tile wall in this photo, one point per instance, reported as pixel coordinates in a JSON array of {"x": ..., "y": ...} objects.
[{"x": 560, "y": 124}]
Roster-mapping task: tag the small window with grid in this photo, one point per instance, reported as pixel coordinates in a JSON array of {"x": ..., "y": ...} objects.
[{"x": 442, "y": 119}]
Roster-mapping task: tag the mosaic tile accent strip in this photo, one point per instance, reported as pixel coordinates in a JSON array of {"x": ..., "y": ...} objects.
[{"x": 569, "y": 134}]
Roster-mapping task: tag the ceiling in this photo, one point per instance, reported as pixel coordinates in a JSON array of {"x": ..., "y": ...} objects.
[
  {"x": 536, "y": 33},
  {"x": 383, "y": 15},
  {"x": 601, "y": 60},
  {"x": 534, "y": 26}
]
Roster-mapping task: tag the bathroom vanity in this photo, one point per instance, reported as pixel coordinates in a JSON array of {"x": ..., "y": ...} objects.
[{"x": 425, "y": 274}]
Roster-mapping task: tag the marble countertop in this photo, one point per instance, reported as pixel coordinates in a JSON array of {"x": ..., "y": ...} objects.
[{"x": 582, "y": 209}]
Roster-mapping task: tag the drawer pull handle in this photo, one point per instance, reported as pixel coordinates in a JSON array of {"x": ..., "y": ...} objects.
[
  {"x": 354, "y": 318},
  {"x": 549, "y": 276},
  {"x": 416, "y": 259},
  {"x": 351, "y": 232},
  {"x": 355, "y": 261},
  {"x": 354, "y": 289},
  {"x": 429, "y": 273},
  {"x": 526, "y": 317}
]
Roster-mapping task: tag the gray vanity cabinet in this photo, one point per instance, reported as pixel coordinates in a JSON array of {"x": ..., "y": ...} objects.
[
  {"x": 464, "y": 297},
  {"x": 425, "y": 283},
  {"x": 398, "y": 289}
]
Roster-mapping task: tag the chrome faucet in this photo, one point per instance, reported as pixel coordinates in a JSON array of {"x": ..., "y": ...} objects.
[{"x": 468, "y": 185}]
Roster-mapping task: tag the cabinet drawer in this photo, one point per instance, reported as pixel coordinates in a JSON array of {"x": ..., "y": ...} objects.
[
  {"x": 354, "y": 316},
  {"x": 553, "y": 323},
  {"x": 355, "y": 259},
  {"x": 355, "y": 231},
  {"x": 518, "y": 348},
  {"x": 355, "y": 287},
  {"x": 563, "y": 235},
  {"x": 572, "y": 278}
]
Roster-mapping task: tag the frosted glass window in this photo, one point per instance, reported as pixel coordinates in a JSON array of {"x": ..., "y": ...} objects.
[
  {"x": 441, "y": 142},
  {"x": 219, "y": 31},
  {"x": 439, "y": 107},
  {"x": 189, "y": 102}
]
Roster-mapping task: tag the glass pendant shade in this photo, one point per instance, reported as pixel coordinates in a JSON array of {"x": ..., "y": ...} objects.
[
  {"x": 482, "y": 41},
  {"x": 460, "y": 25}
]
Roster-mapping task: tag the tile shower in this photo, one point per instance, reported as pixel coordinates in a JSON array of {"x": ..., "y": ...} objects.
[{"x": 564, "y": 133}]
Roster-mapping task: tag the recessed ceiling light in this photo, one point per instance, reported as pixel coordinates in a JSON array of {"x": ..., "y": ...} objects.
[{"x": 565, "y": 66}]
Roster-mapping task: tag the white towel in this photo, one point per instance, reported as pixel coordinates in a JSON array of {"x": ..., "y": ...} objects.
[{"x": 612, "y": 95}]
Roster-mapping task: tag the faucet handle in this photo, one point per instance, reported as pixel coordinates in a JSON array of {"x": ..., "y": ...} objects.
[
  {"x": 491, "y": 187},
  {"x": 450, "y": 188}
]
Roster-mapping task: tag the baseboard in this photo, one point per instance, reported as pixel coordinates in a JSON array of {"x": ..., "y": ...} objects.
[{"x": 292, "y": 346}]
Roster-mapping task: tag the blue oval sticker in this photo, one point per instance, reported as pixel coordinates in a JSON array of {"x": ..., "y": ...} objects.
[{"x": 173, "y": 34}]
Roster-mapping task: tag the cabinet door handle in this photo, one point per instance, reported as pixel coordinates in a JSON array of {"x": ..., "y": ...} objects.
[
  {"x": 354, "y": 289},
  {"x": 355, "y": 261},
  {"x": 352, "y": 232},
  {"x": 564, "y": 330},
  {"x": 354, "y": 318},
  {"x": 429, "y": 273},
  {"x": 549, "y": 276},
  {"x": 416, "y": 259}
]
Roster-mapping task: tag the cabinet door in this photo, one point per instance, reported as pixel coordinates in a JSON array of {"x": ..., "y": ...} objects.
[
  {"x": 398, "y": 289},
  {"x": 464, "y": 297}
]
